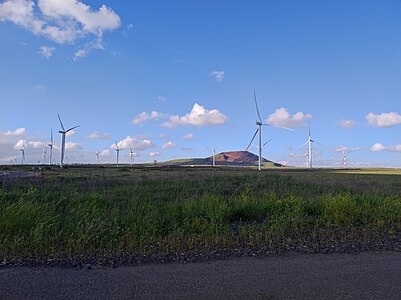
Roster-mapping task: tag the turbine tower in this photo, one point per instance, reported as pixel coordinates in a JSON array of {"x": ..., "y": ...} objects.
[
  {"x": 63, "y": 133},
  {"x": 214, "y": 158},
  {"x": 131, "y": 155},
  {"x": 259, "y": 123},
  {"x": 22, "y": 152},
  {"x": 117, "y": 152},
  {"x": 345, "y": 159},
  {"x": 51, "y": 147},
  {"x": 97, "y": 157},
  {"x": 309, "y": 141},
  {"x": 44, "y": 155}
]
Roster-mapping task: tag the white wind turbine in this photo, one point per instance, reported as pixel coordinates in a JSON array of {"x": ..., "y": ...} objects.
[
  {"x": 117, "y": 152},
  {"x": 131, "y": 155},
  {"x": 97, "y": 157},
  {"x": 22, "y": 152},
  {"x": 51, "y": 147},
  {"x": 44, "y": 155},
  {"x": 309, "y": 142},
  {"x": 63, "y": 133},
  {"x": 259, "y": 123}
]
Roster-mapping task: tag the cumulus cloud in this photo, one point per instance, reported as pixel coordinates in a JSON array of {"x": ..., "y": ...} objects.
[
  {"x": 282, "y": 118},
  {"x": 168, "y": 145},
  {"x": 46, "y": 51},
  {"x": 70, "y": 133},
  {"x": 19, "y": 144},
  {"x": 16, "y": 132},
  {"x": 199, "y": 116},
  {"x": 98, "y": 136},
  {"x": 380, "y": 147},
  {"x": 61, "y": 21},
  {"x": 105, "y": 152},
  {"x": 72, "y": 146},
  {"x": 384, "y": 119},
  {"x": 36, "y": 144},
  {"x": 217, "y": 75},
  {"x": 144, "y": 116},
  {"x": 377, "y": 147},
  {"x": 135, "y": 143},
  {"x": 154, "y": 154},
  {"x": 188, "y": 137},
  {"x": 347, "y": 123},
  {"x": 347, "y": 149}
]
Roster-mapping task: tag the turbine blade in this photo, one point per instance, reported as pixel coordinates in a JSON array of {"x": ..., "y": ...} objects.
[
  {"x": 250, "y": 143},
  {"x": 61, "y": 123},
  {"x": 257, "y": 108},
  {"x": 282, "y": 127},
  {"x": 302, "y": 145},
  {"x": 267, "y": 142},
  {"x": 309, "y": 127},
  {"x": 51, "y": 136},
  {"x": 72, "y": 128}
]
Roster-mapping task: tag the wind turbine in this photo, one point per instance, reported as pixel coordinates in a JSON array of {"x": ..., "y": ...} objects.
[
  {"x": 97, "y": 157},
  {"x": 259, "y": 123},
  {"x": 214, "y": 158},
  {"x": 309, "y": 141},
  {"x": 345, "y": 159},
  {"x": 51, "y": 147},
  {"x": 22, "y": 152},
  {"x": 63, "y": 133},
  {"x": 117, "y": 152},
  {"x": 131, "y": 155},
  {"x": 44, "y": 155}
]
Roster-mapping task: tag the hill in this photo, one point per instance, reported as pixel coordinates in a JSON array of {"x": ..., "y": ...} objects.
[{"x": 231, "y": 158}]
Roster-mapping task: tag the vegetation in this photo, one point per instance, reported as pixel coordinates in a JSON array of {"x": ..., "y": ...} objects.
[{"x": 88, "y": 211}]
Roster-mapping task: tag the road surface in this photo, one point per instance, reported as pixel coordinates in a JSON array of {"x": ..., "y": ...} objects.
[{"x": 295, "y": 276}]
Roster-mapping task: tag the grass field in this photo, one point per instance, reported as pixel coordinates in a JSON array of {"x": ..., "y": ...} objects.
[{"x": 104, "y": 210}]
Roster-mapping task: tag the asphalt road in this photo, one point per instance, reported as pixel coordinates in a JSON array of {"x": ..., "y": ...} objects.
[{"x": 295, "y": 276}]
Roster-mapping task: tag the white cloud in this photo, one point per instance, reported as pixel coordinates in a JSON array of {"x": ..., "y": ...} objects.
[
  {"x": 19, "y": 144},
  {"x": 384, "y": 119},
  {"x": 347, "y": 149},
  {"x": 98, "y": 136},
  {"x": 168, "y": 145},
  {"x": 188, "y": 137},
  {"x": 61, "y": 21},
  {"x": 144, "y": 116},
  {"x": 347, "y": 123},
  {"x": 135, "y": 143},
  {"x": 36, "y": 144},
  {"x": 70, "y": 133},
  {"x": 46, "y": 51},
  {"x": 282, "y": 118},
  {"x": 161, "y": 99},
  {"x": 379, "y": 147},
  {"x": 217, "y": 75},
  {"x": 80, "y": 53},
  {"x": 16, "y": 132},
  {"x": 72, "y": 146},
  {"x": 105, "y": 152},
  {"x": 199, "y": 116},
  {"x": 154, "y": 154}
]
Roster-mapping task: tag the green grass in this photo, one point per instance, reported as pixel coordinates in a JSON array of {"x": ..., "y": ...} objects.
[{"x": 112, "y": 210}]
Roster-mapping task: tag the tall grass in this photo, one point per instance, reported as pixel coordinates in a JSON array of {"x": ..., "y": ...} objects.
[{"x": 113, "y": 211}]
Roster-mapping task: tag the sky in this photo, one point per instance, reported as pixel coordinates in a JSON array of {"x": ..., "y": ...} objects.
[{"x": 176, "y": 79}]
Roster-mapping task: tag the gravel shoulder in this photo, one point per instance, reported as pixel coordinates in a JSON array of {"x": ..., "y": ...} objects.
[{"x": 368, "y": 275}]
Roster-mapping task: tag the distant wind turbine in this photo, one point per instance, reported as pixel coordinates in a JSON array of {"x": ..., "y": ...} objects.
[
  {"x": 259, "y": 123},
  {"x": 51, "y": 147},
  {"x": 214, "y": 158},
  {"x": 44, "y": 155},
  {"x": 309, "y": 142},
  {"x": 131, "y": 155},
  {"x": 117, "y": 152},
  {"x": 22, "y": 152},
  {"x": 63, "y": 133},
  {"x": 97, "y": 157}
]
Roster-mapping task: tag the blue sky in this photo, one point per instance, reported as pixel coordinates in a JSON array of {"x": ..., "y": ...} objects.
[{"x": 107, "y": 65}]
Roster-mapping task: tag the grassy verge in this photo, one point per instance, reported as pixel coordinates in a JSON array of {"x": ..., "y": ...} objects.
[{"x": 110, "y": 211}]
